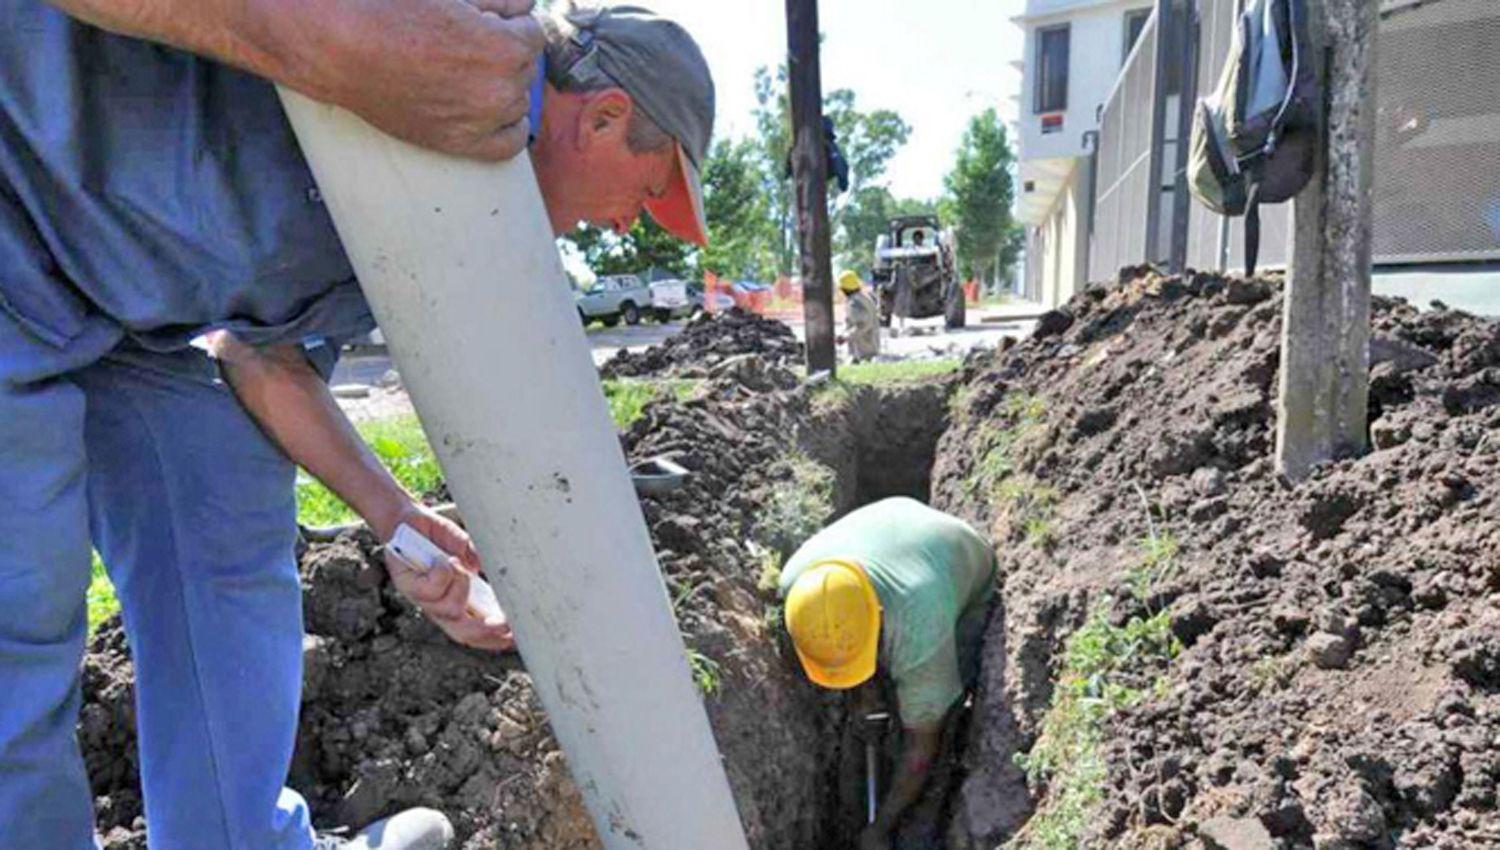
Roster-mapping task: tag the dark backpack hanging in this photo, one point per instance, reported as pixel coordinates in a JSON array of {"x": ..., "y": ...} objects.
[{"x": 1255, "y": 139}]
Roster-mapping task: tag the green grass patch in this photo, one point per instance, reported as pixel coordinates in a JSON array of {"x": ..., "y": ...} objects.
[
  {"x": 895, "y": 371},
  {"x": 1105, "y": 668},
  {"x": 102, "y": 602},
  {"x": 401, "y": 446},
  {"x": 628, "y": 397}
]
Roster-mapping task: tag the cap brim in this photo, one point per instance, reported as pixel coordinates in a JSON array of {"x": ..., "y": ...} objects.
[
  {"x": 862, "y": 666},
  {"x": 680, "y": 210}
]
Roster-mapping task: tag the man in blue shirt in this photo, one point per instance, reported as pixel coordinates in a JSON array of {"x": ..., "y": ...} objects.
[{"x": 151, "y": 195}]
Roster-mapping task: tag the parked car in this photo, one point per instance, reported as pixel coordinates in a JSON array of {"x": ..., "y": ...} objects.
[
  {"x": 612, "y": 298},
  {"x": 670, "y": 300},
  {"x": 722, "y": 300}
]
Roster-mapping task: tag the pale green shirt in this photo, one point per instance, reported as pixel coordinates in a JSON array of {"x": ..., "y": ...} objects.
[{"x": 929, "y": 570}]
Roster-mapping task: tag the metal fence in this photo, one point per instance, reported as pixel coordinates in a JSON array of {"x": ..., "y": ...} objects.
[
  {"x": 1213, "y": 241},
  {"x": 1437, "y": 149},
  {"x": 1123, "y": 164},
  {"x": 1437, "y": 144}
]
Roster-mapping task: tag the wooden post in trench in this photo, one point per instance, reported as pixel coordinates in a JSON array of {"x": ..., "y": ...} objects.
[
  {"x": 810, "y": 176},
  {"x": 1323, "y": 406}
]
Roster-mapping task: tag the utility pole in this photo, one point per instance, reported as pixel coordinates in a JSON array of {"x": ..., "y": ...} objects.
[
  {"x": 1323, "y": 408},
  {"x": 810, "y": 174}
]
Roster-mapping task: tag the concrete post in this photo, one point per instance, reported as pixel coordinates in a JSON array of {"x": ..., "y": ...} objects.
[
  {"x": 1323, "y": 406},
  {"x": 459, "y": 264}
]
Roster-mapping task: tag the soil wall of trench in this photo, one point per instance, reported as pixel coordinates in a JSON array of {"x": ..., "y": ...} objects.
[{"x": 394, "y": 715}]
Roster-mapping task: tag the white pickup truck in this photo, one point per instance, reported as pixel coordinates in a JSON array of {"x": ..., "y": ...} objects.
[{"x": 616, "y": 297}]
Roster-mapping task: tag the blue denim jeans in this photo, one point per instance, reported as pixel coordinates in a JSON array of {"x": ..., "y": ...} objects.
[{"x": 192, "y": 508}]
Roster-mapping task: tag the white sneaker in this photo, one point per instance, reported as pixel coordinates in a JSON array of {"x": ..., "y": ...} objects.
[{"x": 413, "y": 829}]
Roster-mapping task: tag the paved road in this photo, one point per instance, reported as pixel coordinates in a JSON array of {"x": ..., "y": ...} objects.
[{"x": 926, "y": 339}]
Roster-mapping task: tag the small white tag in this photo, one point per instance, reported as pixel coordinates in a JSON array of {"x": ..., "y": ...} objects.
[
  {"x": 424, "y": 556},
  {"x": 417, "y": 551}
]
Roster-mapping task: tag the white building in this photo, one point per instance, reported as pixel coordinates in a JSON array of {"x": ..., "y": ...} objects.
[{"x": 1074, "y": 52}]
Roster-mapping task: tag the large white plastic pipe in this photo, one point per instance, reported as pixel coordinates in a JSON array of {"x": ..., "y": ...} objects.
[{"x": 459, "y": 264}]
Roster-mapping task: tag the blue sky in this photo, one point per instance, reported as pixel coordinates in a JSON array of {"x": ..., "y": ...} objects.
[{"x": 936, "y": 62}]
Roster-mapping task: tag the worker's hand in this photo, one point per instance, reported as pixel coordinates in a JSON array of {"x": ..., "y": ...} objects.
[
  {"x": 449, "y": 75},
  {"x": 443, "y": 593},
  {"x": 874, "y": 837}
]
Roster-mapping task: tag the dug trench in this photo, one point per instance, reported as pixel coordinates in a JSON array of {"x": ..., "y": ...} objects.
[
  {"x": 1187, "y": 652},
  {"x": 393, "y": 715}
]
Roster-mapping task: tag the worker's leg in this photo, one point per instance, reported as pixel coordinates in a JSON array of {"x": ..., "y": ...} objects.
[
  {"x": 44, "y": 573},
  {"x": 194, "y": 514}
]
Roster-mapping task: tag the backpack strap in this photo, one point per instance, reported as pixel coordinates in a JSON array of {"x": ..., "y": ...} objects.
[{"x": 1252, "y": 219}]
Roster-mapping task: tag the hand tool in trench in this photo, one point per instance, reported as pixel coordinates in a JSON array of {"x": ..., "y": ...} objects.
[{"x": 875, "y": 725}]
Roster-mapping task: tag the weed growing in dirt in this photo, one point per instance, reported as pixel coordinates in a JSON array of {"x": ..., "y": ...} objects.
[
  {"x": 102, "y": 602},
  {"x": 1273, "y": 671},
  {"x": 400, "y": 445},
  {"x": 1020, "y": 414},
  {"x": 958, "y": 403},
  {"x": 707, "y": 674},
  {"x": 769, "y": 580},
  {"x": 798, "y": 506},
  {"x": 1105, "y": 668},
  {"x": 1158, "y": 564},
  {"x": 1030, "y": 505}
]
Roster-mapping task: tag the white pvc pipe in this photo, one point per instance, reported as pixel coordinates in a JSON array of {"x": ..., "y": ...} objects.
[{"x": 459, "y": 264}]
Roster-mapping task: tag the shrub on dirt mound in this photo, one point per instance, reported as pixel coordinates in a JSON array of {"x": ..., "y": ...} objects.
[
  {"x": 708, "y": 341},
  {"x": 394, "y": 715},
  {"x": 1193, "y": 653}
]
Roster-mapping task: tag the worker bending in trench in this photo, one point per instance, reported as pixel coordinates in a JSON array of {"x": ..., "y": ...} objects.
[
  {"x": 898, "y": 587},
  {"x": 152, "y": 194}
]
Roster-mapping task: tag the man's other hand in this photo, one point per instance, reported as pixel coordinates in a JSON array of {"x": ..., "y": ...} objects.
[
  {"x": 449, "y": 75},
  {"x": 443, "y": 593}
]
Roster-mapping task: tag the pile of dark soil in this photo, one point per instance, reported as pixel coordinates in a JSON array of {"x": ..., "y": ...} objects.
[
  {"x": 394, "y": 715},
  {"x": 1338, "y": 683},
  {"x": 708, "y": 341}
]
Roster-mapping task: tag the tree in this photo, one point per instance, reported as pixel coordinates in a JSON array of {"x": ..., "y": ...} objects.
[
  {"x": 980, "y": 191},
  {"x": 646, "y": 246},
  {"x": 868, "y": 139},
  {"x": 742, "y": 239}
]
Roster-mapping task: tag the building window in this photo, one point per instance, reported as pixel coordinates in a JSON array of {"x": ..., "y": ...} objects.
[
  {"x": 1135, "y": 23},
  {"x": 1052, "y": 69}
]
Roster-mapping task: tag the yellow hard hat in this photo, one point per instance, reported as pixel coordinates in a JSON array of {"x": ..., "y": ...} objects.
[
  {"x": 833, "y": 615},
  {"x": 849, "y": 282}
]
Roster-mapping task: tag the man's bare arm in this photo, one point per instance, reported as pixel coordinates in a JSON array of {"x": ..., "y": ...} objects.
[
  {"x": 292, "y": 404},
  {"x": 907, "y": 783},
  {"x": 446, "y": 74}
]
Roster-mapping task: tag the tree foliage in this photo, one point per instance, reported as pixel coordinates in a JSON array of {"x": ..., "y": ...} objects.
[
  {"x": 980, "y": 190},
  {"x": 869, "y": 141},
  {"x": 644, "y": 247},
  {"x": 741, "y": 236}
]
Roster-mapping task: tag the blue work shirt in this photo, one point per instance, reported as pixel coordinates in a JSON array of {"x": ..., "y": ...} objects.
[{"x": 149, "y": 194}]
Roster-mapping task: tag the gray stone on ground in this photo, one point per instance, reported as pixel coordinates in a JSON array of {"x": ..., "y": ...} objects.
[
  {"x": 351, "y": 391},
  {"x": 1236, "y": 834},
  {"x": 1330, "y": 652}
]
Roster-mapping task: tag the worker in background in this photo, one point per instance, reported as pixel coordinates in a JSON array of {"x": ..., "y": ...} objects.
[
  {"x": 902, "y": 588},
  {"x": 918, "y": 239},
  {"x": 151, "y": 195},
  {"x": 861, "y": 318}
]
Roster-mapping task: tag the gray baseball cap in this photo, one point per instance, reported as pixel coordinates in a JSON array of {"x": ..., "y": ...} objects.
[{"x": 661, "y": 67}]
